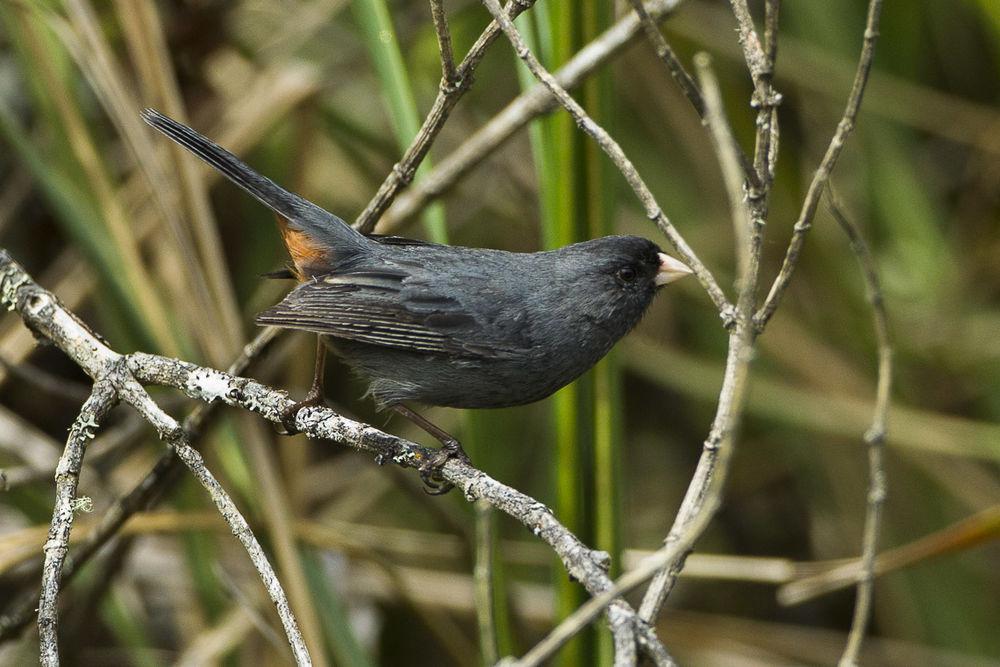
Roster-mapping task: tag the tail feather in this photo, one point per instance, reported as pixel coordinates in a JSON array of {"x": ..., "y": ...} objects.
[{"x": 301, "y": 213}]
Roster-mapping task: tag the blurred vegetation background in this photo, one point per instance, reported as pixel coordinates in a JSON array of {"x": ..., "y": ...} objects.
[{"x": 323, "y": 96}]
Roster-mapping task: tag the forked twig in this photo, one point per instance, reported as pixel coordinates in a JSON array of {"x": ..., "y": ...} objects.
[
  {"x": 530, "y": 104},
  {"x": 450, "y": 93},
  {"x": 173, "y": 434},
  {"x": 704, "y": 492},
  {"x": 617, "y": 156},
  {"x": 826, "y": 165},
  {"x": 114, "y": 378},
  {"x": 140, "y": 497}
]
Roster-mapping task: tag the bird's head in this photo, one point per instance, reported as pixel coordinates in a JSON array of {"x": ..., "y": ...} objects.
[{"x": 617, "y": 277}]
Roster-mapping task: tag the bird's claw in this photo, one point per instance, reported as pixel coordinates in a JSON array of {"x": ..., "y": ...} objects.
[
  {"x": 289, "y": 414},
  {"x": 430, "y": 472}
]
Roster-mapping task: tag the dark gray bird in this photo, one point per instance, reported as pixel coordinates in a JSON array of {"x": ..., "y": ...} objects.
[{"x": 446, "y": 325}]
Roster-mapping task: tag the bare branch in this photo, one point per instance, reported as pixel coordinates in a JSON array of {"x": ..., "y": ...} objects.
[
  {"x": 669, "y": 58},
  {"x": 771, "y": 11},
  {"x": 766, "y": 99},
  {"x": 704, "y": 491},
  {"x": 448, "y": 96},
  {"x": 142, "y": 495},
  {"x": 93, "y": 412},
  {"x": 42, "y": 312},
  {"x": 826, "y": 166},
  {"x": 875, "y": 437},
  {"x": 440, "y": 20},
  {"x": 617, "y": 156},
  {"x": 753, "y": 53},
  {"x": 171, "y": 432},
  {"x": 528, "y": 105}
]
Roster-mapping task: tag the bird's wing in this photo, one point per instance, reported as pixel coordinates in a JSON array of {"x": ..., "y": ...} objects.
[{"x": 385, "y": 307}]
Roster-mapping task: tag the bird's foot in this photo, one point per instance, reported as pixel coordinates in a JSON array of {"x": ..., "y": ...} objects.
[
  {"x": 430, "y": 472},
  {"x": 312, "y": 399}
]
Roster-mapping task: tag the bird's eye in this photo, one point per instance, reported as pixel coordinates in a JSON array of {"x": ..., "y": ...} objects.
[{"x": 626, "y": 274}]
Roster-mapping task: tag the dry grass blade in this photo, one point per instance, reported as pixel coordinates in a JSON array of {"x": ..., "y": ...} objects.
[
  {"x": 962, "y": 535},
  {"x": 125, "y": 240},
  {"x": 94, "y": 56},
  {"x": 146, "y": 41}
]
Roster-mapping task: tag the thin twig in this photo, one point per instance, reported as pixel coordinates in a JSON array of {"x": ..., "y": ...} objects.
[
  {"x": 102, "y": 399},
  {"x": 771, "y": 10},
  {"x": 669, "y": 58},
  {"x": 449, "y": 94},
  {"x": 617, "y": 156},
  {"x": 440, "y": 20},
  {"x": 732, "y": 173},
  {"x": 826, "y": 166},
  {"x": 482, "y": 573},
  {"x": 528, "y": 105},
  {"x": 753, "y": 52},
  {"x": 687, "y": 84},
  {"x": 760, "y": 63},
  {"x": 875, "y": 437},
  {"x": 704, "y": 491},
  {"x": 766, "y": 99}
]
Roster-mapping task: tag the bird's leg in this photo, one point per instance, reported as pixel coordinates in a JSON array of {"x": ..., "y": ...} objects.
[
  {"x": 315, "y": 395},
  {"x": 430, "y": 472}
]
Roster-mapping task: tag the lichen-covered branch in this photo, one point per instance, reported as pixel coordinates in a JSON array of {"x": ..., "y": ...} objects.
[
  {"x": 50, "y": 320},
  {"x": 43, "y": 313},
  {"x": 93, "y": 412},
  {"x": 163, "y": 473}
]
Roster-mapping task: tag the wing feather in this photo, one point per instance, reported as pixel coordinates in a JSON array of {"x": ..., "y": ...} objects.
[{"x": 378, "y": 308}]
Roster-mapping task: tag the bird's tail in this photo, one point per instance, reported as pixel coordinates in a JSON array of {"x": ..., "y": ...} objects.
[{"x": 318, "y": 224}]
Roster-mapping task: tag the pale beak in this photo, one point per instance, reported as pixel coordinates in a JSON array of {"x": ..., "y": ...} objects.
[{"x": 670, "y": 270}]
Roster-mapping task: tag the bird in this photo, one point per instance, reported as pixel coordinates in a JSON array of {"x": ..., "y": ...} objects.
[{"x": 441, "y": 325}]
